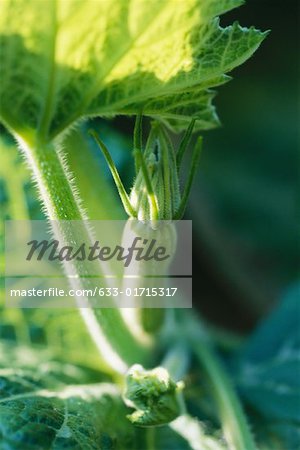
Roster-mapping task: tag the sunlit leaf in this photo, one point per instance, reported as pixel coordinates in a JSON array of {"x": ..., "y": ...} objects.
[{"x": 72, "y": 59}]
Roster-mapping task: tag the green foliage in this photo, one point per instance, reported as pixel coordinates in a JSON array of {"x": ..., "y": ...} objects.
[
  {"x": 60, "y": 63},
  {"x": 74, "y": 59},
  {"x": 268, "y": 371},
  {"x": 44, "y": 405}
]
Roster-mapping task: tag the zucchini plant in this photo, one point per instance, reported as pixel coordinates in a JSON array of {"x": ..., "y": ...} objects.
[{"x": 63, "y": 62}]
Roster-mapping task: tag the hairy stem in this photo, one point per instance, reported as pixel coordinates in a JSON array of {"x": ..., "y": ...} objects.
[{"x": 114, "y": 340}]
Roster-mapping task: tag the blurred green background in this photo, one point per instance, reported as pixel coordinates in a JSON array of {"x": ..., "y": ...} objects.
[{"x": 243, "y": 203}]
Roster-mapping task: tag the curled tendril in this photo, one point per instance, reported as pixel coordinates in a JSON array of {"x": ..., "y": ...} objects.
[{"x": 153, "y": 394}]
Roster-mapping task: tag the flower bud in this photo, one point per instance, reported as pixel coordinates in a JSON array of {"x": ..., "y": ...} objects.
[{"x": 160, "y": 162}]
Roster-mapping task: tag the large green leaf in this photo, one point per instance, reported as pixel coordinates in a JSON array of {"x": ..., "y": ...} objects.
[
  {"x": 269, "y": 367},
  {"x": 75, "y": 58},
  {"x": 49, "y": 405}
]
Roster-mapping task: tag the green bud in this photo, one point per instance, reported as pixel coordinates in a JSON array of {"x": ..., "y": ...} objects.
[
  {"x": 155, "y": 194},
  {"x": 153, "y": 394},
  {"x": 165, "y": 235},
  {"x": 160, "y": 161}
]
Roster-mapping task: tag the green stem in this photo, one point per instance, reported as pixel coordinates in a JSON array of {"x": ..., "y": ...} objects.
[
  {"x": 114, "y": 340},
  {"x": 184, "y": 144},
  {"x": 187, "y": 189},
  {"x": 232, "y": 417},
  {"x": 115, "y": 174},
  {"x": 150, "y": 438},
  {"x": 150, "y": 192},
  {"x": 166, "y": 148}
]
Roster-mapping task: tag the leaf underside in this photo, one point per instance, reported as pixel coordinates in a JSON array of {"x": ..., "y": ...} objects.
[
  {"x": 50, "y": 404},
  {"x": 45, "y": 405},
  {"x": 73, "y": 59}
]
